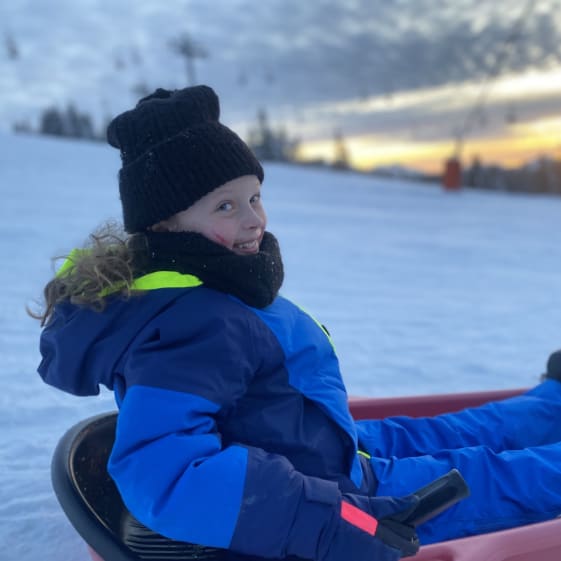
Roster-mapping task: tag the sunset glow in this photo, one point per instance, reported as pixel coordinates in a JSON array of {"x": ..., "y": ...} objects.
[{"x": 509, "y": 142}]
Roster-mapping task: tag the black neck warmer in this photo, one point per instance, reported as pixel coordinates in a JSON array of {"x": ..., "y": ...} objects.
[{"x": 254, "y": 279}]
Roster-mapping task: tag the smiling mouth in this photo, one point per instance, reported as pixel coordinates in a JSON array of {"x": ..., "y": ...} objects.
[{"x": 247, "y": 247}]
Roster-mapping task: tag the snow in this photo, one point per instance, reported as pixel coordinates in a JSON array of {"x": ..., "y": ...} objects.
[{"x": 423, "y": 291}]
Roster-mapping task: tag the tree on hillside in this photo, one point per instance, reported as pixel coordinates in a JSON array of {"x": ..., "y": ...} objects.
[
  {"x": 79, "y": 123},
  {"x": 268, "y": 144},
  {"x": 265, "y": 138},
  {"x": 539, "y": 176},
  {"x": 341, "y": 160},
  {"x": 52, "y": 122},
  {"x": 69, "y": 123},
  {"x": 22, "y": 127}
]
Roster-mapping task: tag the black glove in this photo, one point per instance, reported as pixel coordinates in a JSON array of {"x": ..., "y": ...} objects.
[{"x": 365, "y": 532}]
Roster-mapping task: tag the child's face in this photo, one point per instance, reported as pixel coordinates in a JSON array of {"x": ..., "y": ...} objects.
[{"x": 231, "y": 215}]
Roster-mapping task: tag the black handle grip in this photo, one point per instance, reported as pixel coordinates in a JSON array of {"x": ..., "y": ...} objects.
[
  {"x": 434, "y": 498},
  {"x": 437, "y": 496}
]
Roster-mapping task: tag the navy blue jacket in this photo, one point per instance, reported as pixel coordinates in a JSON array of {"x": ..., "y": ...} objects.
[{"x": 234, "y": 429}]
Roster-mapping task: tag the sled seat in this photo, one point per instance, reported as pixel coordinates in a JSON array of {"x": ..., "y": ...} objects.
[{"x": 92, "y": 502}]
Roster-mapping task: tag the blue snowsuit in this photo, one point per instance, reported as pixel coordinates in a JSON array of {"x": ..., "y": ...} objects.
[{"x": 234, "y": 429}]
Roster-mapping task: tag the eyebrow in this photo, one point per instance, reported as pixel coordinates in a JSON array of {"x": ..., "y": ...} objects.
[{"x": 227, "y": 192}]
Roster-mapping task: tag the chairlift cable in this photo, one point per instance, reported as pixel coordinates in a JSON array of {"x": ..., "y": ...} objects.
[{"x": 503, "y": 52}]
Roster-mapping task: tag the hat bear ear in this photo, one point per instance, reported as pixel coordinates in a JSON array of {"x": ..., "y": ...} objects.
[
  {"x": 201, "y": 102},
  {"x": 197, "y": 104},
  {"x": 160, "y": 93}
]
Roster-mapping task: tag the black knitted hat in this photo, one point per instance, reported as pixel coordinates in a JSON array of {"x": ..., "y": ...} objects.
[{"x": 174, "y": 151}]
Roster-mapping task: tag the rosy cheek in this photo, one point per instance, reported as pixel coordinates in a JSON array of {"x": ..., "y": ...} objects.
[{"x": 220, "y": 239}]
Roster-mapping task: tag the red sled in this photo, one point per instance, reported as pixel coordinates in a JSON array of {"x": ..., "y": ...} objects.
[{"x": 93, "y": 505}]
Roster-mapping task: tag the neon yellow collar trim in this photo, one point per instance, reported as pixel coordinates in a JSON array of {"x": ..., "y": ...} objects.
[
  {"x": 151, "y": 281},
  {"x": 165, "y": 279},
  {"x": 156, "y": 281}
]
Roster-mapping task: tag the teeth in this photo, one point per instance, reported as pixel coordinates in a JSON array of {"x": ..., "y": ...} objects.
[{"x": 247, "y": 245}]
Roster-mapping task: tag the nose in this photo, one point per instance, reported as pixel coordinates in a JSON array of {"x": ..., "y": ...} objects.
[{"x": 254, "y": 219}]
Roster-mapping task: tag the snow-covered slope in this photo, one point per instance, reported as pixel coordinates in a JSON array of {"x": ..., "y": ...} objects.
[{"x": 423, "y": 291}]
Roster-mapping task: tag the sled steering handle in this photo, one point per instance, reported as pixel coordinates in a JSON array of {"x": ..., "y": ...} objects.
[
  {"x": 437, "y": 496},
  {"x": 398, "y": 530}
]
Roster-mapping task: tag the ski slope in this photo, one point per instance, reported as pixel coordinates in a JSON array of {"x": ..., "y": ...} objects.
[{"x": 423, "y": 291}]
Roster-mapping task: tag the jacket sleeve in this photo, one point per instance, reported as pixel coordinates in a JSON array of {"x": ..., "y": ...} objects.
[{"x": 169, "y": 463}]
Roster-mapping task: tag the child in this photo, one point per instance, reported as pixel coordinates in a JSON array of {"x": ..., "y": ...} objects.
[{"x": 234, "y": 429}]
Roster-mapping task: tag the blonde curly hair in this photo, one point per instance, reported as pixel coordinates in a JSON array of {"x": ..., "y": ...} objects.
[{"x": 89, "y": 274}]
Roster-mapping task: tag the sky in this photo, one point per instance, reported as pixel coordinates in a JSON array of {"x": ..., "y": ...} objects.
[
  {"x": 399, "y": 80},
  {"x": 423, "y": 291}
]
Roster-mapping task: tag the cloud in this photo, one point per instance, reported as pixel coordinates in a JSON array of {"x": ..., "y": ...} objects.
[{"x": 288, "y": 56}]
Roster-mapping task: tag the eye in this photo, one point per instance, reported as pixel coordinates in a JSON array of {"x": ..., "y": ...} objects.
[
  {"x": 225, "y": 207},
  {"x": 255, "y": 199}
]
